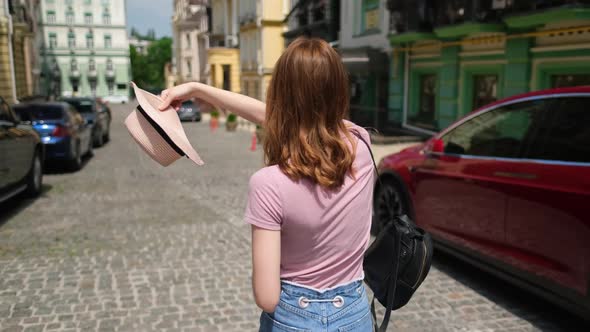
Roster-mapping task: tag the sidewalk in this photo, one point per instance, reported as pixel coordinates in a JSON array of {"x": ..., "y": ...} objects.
[
  {"x": 379, "y": 150},
  {"x": 382, "y": 150}
]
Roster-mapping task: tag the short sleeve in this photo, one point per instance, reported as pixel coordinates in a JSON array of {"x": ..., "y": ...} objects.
[{"x": 264, "y": 207}]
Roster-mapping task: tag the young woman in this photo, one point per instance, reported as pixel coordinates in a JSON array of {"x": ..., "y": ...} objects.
[{"x": 310, "y": 207}]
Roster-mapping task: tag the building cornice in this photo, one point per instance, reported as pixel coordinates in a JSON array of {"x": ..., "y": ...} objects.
[{"x": 87, "y": 26}]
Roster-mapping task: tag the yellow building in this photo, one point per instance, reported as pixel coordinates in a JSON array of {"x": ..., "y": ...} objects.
[
  {"x": 18, "y": 59},
  {"x": 261, "y": 42},
  {"x": 223, "y": 53}
]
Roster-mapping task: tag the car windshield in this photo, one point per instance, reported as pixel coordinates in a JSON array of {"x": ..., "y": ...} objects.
[
  {"x": 187, "y": 103},
  {"x": 39, "y": 112},
  {"x": 82, "y": 106}
]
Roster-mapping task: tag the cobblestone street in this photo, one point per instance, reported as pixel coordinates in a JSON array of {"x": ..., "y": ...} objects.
[{"x": 126, "y": 245}]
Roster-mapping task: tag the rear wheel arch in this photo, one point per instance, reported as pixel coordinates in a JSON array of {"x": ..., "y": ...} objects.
[{"x": 395, "y": 179}]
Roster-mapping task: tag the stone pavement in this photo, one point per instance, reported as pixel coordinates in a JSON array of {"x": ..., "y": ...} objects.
[{"x": 126, "y": 245}]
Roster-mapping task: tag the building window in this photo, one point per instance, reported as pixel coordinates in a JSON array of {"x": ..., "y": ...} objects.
[
  {"x": 319, "y": 11},
  {"x": 88, "y": 18},
  {"x": 226, "y": 77},
  {"x": 52, "y": 40},
  {"x": 121, "y": 86},
  {"x": 90, "y": 40},
  {"x": 370, "y": 15},
  {"x": 256, "y": 90},
  {"x": 50, "y": 16},
  {"x": 302, "y": 16},
  {"x": 426, "y": 115},
  {"x": 107, "y": 41},
  {"x": 111, "y": 87},
  {"x": 92, "y": 65},
  {"x": 188, "y": 40},
  {"x": 106, "y": 17},
  {"x": 485, "y": 90},
  {"x": 562, "y": 81},
  {"x": 109, "y": 64},
  {"x": 71, "y": 39},
  {"x": 70, "y": 16},
  {"x": 189, "y": 68}
]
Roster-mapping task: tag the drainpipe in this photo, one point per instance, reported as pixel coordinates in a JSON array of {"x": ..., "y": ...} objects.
[
  {"x": 10, "y": 51},
  {"x": 406, "y": 87}
]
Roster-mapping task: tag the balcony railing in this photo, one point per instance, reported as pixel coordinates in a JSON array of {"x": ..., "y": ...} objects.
[{"x": 425, "y": 15}]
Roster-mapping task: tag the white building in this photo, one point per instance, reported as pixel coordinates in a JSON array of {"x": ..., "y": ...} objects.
[
  {"x": 140, "y": 45},
  {"x": 85, "y": 48},
  {"x": 190, "y": 28},
  {"x": 365, "y": 50}
]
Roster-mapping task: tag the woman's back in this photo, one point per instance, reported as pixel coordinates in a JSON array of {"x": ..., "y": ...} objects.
[{"x": 324, "y": 232}]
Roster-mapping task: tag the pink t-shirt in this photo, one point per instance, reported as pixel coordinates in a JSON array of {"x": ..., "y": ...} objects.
[{"x": 324, "y": 233}]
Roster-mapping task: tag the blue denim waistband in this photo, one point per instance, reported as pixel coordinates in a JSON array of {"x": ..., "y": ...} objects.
[{"x": 300, "y": 290}]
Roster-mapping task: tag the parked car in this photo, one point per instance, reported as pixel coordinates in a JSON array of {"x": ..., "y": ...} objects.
[
  {"x": 116, "y": 99},
  {"x": 189, "y": 111},
  {"x": 506, "y": 188},
  {"x": 64, "y": 132},
  {"x": 95, "y": 115},
  {"x": 21, "y": 156}
]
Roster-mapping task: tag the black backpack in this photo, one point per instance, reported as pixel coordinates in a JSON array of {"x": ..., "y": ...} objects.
[{"x": 396, "y": 263}]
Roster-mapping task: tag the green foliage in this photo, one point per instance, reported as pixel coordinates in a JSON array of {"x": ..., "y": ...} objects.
[
  {"x": 148, "y": 70},
  {"x": 215, "y": 114},
  {"x": 232, "y": 118}
]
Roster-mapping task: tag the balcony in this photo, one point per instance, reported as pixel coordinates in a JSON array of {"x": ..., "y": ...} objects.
[
  {"x": 110, "y": 74},
  {"x": 314, "y": 18},
  {"x": 415, "y": 19}
]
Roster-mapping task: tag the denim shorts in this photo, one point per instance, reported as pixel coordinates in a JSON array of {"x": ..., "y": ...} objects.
[{"x": 301, "y": 309}]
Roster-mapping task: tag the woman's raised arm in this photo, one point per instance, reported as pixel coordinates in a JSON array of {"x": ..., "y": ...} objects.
[{"x": 246, "y": 107}]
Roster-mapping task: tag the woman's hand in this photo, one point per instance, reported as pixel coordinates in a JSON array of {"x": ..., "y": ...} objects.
[{"x": 176, "y": 95}]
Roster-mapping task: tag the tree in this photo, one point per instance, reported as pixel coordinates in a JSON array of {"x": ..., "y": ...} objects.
[{"x": 148, "y": 70}]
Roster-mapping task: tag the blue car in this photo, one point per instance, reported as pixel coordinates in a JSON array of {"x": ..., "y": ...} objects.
[{"x": 67, "y": 136}]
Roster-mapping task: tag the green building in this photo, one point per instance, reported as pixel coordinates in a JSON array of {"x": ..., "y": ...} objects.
[{"x": 451, "y": 57}]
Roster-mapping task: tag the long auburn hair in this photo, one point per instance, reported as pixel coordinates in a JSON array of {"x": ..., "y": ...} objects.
[{"x": 306, "y": 103}]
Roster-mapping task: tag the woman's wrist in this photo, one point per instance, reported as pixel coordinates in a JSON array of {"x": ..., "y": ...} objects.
[{"x": 195, "y": 87}]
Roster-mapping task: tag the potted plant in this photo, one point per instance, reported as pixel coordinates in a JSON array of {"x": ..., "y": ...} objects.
[
  {"x": 231, "y": 123},
  {"x": 214, "y": 123},
  {"x": 259, "y": 133}
]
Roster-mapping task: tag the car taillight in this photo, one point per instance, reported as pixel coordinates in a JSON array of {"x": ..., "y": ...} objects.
[{"x": 60, "y": 131}]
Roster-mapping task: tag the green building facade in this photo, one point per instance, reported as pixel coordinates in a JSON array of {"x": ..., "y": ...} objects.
[{"x": 444, "y": 68}]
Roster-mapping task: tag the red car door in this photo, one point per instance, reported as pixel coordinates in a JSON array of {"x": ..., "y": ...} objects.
[
  {"x": 548, "y": 226},
  {"x": 460, "y": 195}
]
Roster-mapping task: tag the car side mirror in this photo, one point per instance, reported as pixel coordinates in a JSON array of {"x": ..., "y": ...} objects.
[{"x": 435, "y": 145}]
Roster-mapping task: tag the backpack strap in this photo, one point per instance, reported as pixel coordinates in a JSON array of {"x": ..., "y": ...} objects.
[{"x": 394, "y": 264}]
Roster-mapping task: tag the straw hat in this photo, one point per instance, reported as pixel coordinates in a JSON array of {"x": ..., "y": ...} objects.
[{"x": 159, "y": 133}]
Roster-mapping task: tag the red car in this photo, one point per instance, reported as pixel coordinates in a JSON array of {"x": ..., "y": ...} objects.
[{"x": 506, "y": 188}]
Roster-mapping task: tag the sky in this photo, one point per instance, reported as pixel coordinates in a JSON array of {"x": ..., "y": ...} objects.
[{"x": 148, "y": 14}]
